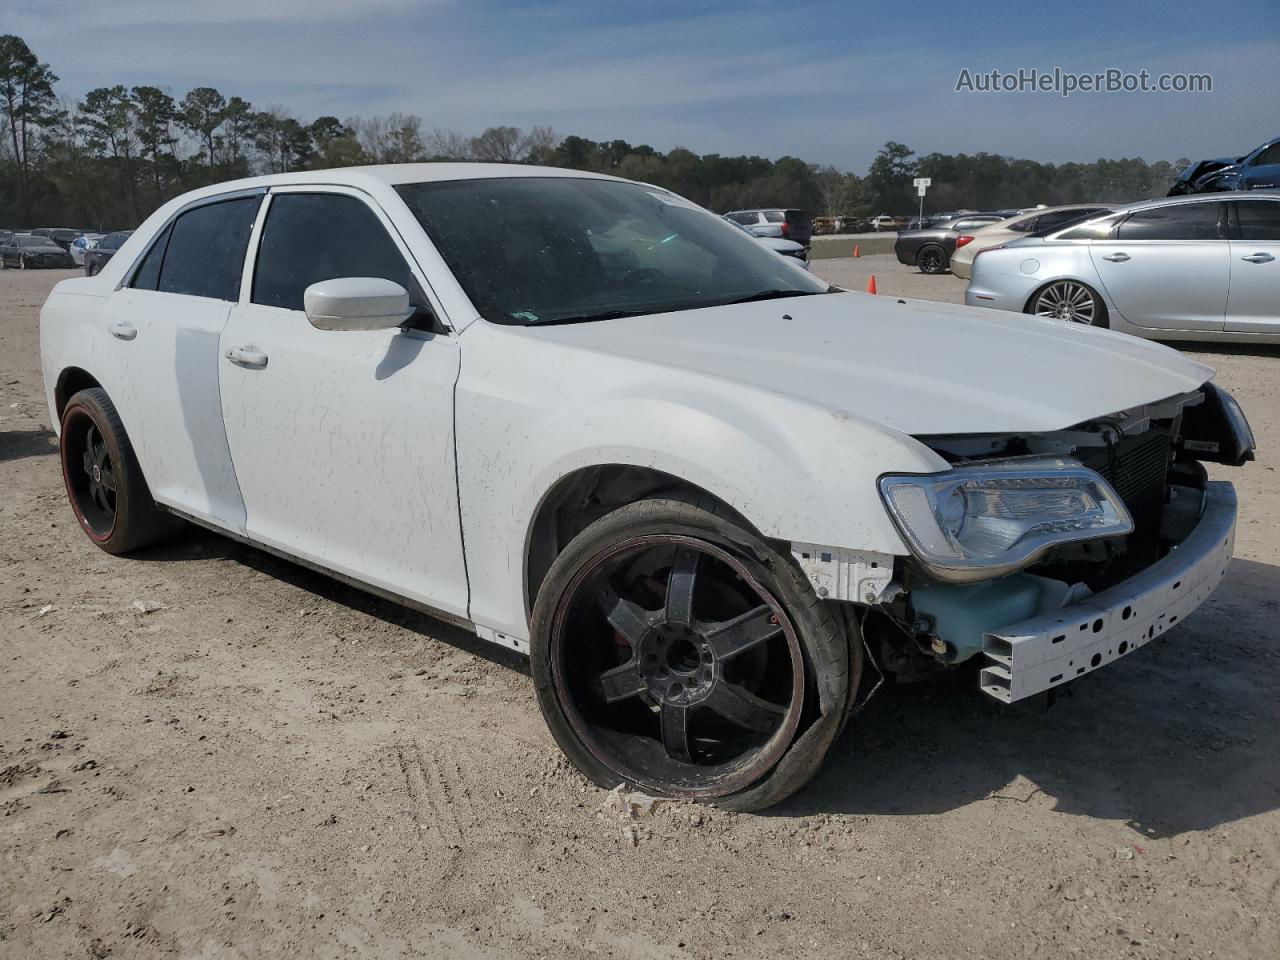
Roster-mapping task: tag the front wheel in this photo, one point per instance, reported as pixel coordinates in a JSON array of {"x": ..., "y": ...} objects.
[
  {"x": 674, "y": 650},
  {"x": 104, "y": 482},
  {"x": 1069, "y": 300}
]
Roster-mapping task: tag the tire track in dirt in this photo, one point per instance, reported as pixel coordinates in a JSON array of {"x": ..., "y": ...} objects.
[{"x": 442, "y": 808}]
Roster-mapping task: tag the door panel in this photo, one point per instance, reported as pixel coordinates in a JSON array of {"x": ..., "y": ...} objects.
[
  {"x": 165, "y": 349},
  {"x": 163, "y": 328},
  {"x": 1253, "y": 305},
  {"x": 1167, "y": 267},
  {"x": 343, "y": 440},
  {"x": 1175, "y": 286},
  {"x": 343, "y": 446}
]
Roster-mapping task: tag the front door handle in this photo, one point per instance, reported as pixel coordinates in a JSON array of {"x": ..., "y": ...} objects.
[
  {"x": 122, "y": 329},
  {"x": 247, "y": 357},
  {"x": 1259, "y": 258},
  {"x": 1116, "y": 257}
]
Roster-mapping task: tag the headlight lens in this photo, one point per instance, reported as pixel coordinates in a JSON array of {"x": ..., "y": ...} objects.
[{"x": 984, "y": 521}]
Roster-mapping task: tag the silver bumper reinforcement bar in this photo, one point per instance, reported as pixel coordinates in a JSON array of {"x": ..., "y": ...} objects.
[{"x": 1046, "y": 651}]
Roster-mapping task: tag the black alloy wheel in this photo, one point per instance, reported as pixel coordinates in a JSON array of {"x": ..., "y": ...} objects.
[
  {"x": 670, "y": 660},
  {"x": 931, "y": 260}
]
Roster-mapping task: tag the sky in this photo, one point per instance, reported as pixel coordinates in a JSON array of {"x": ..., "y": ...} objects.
[{"x": 829, "y": 82}]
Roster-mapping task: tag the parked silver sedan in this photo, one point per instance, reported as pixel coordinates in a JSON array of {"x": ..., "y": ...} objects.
[{"x": 1204, "y": 267}]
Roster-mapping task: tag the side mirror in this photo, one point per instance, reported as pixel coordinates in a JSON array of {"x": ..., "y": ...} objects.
[{"x": 356, "y": 303}]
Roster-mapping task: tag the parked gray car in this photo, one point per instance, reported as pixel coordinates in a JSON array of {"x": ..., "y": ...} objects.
[{"x": 1199, "y": 267}]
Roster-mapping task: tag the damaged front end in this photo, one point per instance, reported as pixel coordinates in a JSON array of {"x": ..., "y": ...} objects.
[{"x": 1048, "y": 555}]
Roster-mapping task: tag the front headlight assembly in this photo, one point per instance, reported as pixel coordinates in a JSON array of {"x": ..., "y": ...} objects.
[{"x": 991, "y": 519}]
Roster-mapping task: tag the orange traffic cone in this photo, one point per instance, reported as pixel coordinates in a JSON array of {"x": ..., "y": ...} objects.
[
  {"x": 855, "y": 251},
  {"x": 871, "y": 284}
]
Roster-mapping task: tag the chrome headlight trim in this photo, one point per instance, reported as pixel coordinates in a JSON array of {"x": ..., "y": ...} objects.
[{"x": 992, "y": 518}]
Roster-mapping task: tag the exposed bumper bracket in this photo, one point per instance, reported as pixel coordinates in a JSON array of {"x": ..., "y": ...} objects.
[{"x": 1046, "y": 651}]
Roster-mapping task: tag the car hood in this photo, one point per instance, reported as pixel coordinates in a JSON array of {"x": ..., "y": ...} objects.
[{"x": 913, "y": 366}]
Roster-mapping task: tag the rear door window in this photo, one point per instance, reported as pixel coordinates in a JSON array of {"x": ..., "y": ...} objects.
[
  {"x": 774, "y": 216},
  {"x": 1183, "y": 221},
  {"x": 205, "y": 253}
]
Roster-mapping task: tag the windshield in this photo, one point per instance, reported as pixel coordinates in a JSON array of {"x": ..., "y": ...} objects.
[{"x": 530, "y": 250}]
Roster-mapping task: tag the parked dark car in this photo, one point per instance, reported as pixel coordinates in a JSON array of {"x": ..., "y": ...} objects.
[
  {"x": 1259, "y": 170},
  {"x": 32, "y": 252},
  {"x": 931, "y": 248},
  {"x": 62, "y": 236},
  {"x": 96, "y": 257}
]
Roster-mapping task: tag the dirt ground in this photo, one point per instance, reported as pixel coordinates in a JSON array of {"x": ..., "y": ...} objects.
[{"x": 209, "y": 753}]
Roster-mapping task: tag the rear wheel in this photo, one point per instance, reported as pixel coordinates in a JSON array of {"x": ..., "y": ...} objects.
[
  {"x": 674, "y": 650},
  {"x": 104, "y": 482},
  {"x": 1070, "y": 300},
  {"x": 931, "y": 259}
]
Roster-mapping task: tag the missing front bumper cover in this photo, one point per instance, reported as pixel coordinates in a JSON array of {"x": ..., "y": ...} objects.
[{"x": 1046, "y": 651}]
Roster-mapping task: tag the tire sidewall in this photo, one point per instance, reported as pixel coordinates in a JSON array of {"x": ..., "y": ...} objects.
[
  {"x": 138, "y": 521},
  {"x": 825, "y": 650},
  {"x": 85, "y": 405}
]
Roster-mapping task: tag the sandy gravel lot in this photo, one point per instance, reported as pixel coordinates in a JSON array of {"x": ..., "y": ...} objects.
[{"x": 209, "y": 753}]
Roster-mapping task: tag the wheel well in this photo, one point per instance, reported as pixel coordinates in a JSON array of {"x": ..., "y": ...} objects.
[
  {"x": 70, "y": 382},
  {"x": 582, "y": 497}
]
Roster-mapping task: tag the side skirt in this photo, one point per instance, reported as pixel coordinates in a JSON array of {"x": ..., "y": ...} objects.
[{"x": 483, "y": 633}]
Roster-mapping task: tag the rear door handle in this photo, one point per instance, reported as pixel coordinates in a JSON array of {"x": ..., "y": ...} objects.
[
  {"x": 247, "y": 357},
  {"x": 1116, "y": 257},
  {"x": 122, "y": 329},
  {"x": 1259, "y": 258}
]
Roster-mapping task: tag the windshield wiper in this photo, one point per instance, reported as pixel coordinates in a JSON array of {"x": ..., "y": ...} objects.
[
  {"x": 588, "y": 317},
  {"x": 769, "y": 295}
]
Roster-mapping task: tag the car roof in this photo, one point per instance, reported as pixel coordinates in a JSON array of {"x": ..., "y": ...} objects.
[
  {"x": 375, "y": 178},
  {"x": 1201, "y": 198},
  {"x": 1019, "y": 217}
]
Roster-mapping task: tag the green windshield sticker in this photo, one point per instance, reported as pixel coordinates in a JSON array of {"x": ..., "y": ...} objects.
[{"x": 526, "y": 316}]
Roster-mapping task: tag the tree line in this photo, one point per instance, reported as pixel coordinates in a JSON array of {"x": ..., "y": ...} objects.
[{"x": 108, "y": 159}]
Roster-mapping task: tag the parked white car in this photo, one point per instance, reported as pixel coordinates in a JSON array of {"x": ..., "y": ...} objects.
[
  {"x": 1198, "y": 267},
  {"x": 1041, "y": 220},
  {"x": 597, "y": 425},
  {"x": 86, "y": 241}
]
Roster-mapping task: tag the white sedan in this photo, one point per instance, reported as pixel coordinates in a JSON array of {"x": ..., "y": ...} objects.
[
  {"x": 595, "y": 424},
  {"x": 86, "y": 241}
]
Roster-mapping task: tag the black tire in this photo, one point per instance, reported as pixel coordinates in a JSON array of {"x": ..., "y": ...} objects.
[
  {"x": 90, "y": 270},
  {"x": 104, "y": 482},
  {"x": 931, "y": 259},
  {"x": 809, "y": 655},
  {"x": 1090, "y": 312}
]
